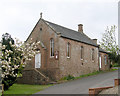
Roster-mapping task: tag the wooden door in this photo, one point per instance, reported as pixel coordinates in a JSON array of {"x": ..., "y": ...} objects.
[{"x": 38, "y": 60}]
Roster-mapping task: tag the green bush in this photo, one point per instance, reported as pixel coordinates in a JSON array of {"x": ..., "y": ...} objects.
[
  {"x": 110, "y": 65},
  {"x": 8, "y": 82},
  {"x": 69, "y": 77},
  {"x": 115, "y": 65}
]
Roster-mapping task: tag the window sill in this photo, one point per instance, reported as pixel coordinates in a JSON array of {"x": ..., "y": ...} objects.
[
  {"x": 68, "y": 57},
  {"x": 82, "y": 59},
  {"x": 93, "y": 61},
  {"x": 51, "y": 56}
]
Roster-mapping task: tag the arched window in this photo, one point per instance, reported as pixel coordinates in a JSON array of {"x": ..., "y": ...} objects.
[
  {"x": 93, "y": 54},
  {"x": 82, "y": 52},
  {"x": 105, "y": 60},
  {"x": 51, "y": 47},
  {"x": 68, "y": 50}
]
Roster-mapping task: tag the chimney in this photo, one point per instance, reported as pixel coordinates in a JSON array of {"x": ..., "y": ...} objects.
[
  {"x": 80, "y": 28},
  {"x": 95, "y": 41}
]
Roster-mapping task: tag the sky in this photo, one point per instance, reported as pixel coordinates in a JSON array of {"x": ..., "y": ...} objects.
[
  {"x": 119, "y": 24},
  {"x": 18, "y": 17}
]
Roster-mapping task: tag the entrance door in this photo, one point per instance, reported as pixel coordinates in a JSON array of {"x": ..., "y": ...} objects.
[
  {"x": 38, "y": 60},
  {"x": 100, "y": 62}
]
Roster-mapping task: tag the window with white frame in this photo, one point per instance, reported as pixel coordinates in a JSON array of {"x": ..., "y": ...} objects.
[
  {"x": 105, "y": 60},
  {"x": 68, "y": 50},
  {"x": 82, "y": 52},
  {"x": 51, "y": 47}
]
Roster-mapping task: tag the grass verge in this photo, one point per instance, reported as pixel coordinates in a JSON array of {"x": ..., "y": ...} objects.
[
  {"x": 25, "y": 89},
  {"x": 31, "y": 89},
  {"x": 69, "y": 77}
]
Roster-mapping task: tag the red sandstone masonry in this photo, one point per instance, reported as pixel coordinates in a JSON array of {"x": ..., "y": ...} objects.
[
  {"x": 58, "y": 68},
  {"x": 117, "y": 82},
  {"x": 95, "y": 91}
]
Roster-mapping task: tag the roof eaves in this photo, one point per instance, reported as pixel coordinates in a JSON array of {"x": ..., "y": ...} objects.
[
  {"x": 49, "y": 23},
  {"x": 80, "y": 41},
  {"x": 32, "y": 30},
  {"x": 51, "y": 27},
  {"x": 102, "y": 50}
]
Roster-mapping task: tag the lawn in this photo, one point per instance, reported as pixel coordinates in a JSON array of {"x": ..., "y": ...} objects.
[
  {"x": 25, "y": 89},
  {"x": 31, "y": 89}
]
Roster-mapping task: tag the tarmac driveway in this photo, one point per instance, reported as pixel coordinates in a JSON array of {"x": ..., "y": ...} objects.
[{"x": 82, "y": 85}]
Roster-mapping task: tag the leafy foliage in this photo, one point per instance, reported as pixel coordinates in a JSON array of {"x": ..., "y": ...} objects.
[
  {"x": 6, "y": 39},
  {"x": 14, "y": 55},
  {"x": 109, "y": 40},
  {"x": 109, "y": 44},
  {"x": 116, "y": 65},
  {"x": 69, "y": 77}
]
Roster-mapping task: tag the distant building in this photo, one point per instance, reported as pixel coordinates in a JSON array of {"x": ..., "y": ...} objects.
[{"x": 63, "y": 52}]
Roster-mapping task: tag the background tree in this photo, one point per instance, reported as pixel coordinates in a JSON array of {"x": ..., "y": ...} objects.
[
  {"x": 14, "y": 56},
  {"x": 6, "y": 39},
  {"x": 109, "y": 44}
]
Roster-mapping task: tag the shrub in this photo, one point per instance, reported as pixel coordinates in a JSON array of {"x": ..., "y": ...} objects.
[
  {"x": 110, "y": 65},
  {"x": 13, "y": 57},
  {"x": 115, "y": 65},
  {"x": 69, "y": 77}
]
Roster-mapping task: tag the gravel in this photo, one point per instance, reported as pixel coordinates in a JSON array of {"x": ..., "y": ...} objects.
[{"x": 113, "y": 90}]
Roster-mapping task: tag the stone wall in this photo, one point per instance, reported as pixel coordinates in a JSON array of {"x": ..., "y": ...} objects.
[
  {"x": 104, "y": 66},
  {"x": 32, "y": 76},
  {"x": 110, "y": 90},
  {"x": 56, "y": 69},
  {"x": 74, "y": 65},
  {"x": 44, "y": 36},
  {"x": 52, "y": 73}
]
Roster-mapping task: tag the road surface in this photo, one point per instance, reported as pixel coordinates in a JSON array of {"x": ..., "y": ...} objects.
[{"x": 82, "y": 85}]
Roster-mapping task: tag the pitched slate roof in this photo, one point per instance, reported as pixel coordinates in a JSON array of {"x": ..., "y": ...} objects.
[
  {"x": 102, "y": 50},
  {"x": 71, "y": 34}
]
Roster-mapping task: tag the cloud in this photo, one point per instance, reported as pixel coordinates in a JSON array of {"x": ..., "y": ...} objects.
[{"x": 18, "y": 17}]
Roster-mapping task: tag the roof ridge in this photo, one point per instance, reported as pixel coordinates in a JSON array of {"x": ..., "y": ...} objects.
[
  {"x": 73, "y": 34},
  {"x": 60, "y": 25}
]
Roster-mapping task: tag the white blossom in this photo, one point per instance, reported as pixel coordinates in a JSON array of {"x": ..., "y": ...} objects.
[
  {"x": 3, "y": 47},
  {"x": 27, "y": 50}
]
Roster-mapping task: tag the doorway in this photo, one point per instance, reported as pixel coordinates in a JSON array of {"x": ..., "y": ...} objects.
[
  {"x": 38, "y": 60},
  {"x": 100, "y": 62}
]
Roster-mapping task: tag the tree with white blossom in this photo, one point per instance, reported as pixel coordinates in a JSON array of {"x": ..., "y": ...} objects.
[
  {"x": 109, "y": 44},
  {"x": 14, "y": 55},
  {"x": 109, "y": 39}
]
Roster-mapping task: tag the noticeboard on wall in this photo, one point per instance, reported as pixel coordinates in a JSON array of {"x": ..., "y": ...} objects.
[{"x": 56, "y": 55}]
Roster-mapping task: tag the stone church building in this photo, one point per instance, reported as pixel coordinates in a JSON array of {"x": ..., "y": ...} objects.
[{"x": 63, "y": 52}]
